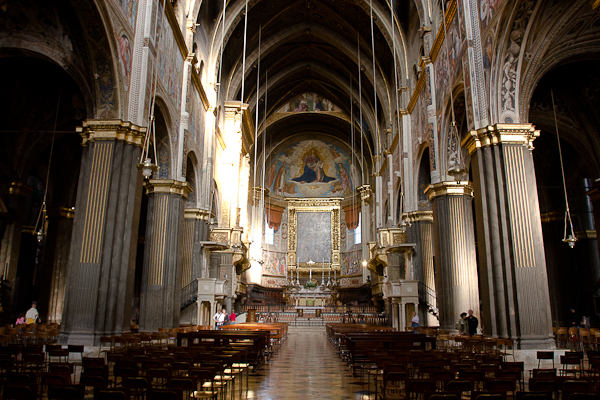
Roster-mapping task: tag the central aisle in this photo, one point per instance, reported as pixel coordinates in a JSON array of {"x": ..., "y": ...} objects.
[{"x": 305, "y": 367}]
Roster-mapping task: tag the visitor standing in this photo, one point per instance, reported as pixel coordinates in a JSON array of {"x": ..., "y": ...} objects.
[
  {"x": 232, "y": 317},
  {"x": 216, "y": 318},
  {"x": 414, "y": 322},
  {"x": 20, "y": 320},
  {"x": 221, "y": 319},
  {"x": 32, "y": 316},
  {"x": 462, "y": 325},
  {"x": 473, "y": 323}
]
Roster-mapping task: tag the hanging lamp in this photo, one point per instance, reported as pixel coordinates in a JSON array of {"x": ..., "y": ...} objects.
[
  {"x": 41, "y": 219},
  {"x": 146, "y": 165},
  {"x": 572, "y": 238}
]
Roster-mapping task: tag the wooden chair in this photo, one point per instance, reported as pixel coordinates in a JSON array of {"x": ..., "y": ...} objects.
[
  {"x": 562, "y": 337},
  {"x": 545, "y": 355}
]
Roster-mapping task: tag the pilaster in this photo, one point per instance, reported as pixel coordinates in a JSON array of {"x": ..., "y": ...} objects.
[
  {"x": 11, "y": 242},
  {"x": 454, "y": 244},
  {"x": 100, "y": 272},
  {"x": 230, "y": 164},
  {"x": 160, "y": 297},
  {"x": 420, "y": 231},
  {"x": 509, "y": 228}
]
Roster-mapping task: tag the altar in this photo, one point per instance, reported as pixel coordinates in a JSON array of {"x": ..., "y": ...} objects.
[{"x": 310, "y": 298}]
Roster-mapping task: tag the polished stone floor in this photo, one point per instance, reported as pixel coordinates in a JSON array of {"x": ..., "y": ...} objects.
[{"x": 305, "y": 367}]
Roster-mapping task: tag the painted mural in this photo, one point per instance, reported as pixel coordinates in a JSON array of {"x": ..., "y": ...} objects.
[
  {"x": 309, "y": 102},
  {"x": 124, "y": 56},
  {"x": 311, "y": 168},
  {"x": 313, "y": 236},
  {"x": 273, "y": 263},
  {"x": 348, "y": 282},
  {"x": 351, "y": 263},
  {"x": 487, "y": 10},
  {"x": 268, "y": 281},
  {"x": 130, "y": 8},
  {"x": 170, "y": 63}
]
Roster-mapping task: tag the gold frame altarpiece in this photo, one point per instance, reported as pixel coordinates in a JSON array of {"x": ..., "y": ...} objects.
[{"x": 328, "y": 204}]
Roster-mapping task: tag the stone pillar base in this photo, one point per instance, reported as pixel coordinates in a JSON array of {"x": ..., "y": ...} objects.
[{"x": 534, "y": 343}]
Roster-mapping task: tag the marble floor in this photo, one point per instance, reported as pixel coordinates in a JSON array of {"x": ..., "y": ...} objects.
[{"x": 305, "y": 367}]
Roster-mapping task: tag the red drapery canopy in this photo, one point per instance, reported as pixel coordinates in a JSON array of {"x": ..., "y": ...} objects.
[
  {"x": 274, "y": 214},
  {"x": 352, "y": 213}
]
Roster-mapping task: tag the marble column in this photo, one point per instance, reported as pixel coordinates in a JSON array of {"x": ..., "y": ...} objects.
[
  {"x": 160, "y": 297},
  {"x": 56, "y": 256},
  {"x": 421, "y": 233},
  {"x": 100, "y": 272},
  {"x": 454, "y": 244},
  {"x": 509, "y": 229}
]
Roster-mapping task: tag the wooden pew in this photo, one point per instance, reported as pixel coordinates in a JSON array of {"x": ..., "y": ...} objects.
[{"x": 258, "y": 341}]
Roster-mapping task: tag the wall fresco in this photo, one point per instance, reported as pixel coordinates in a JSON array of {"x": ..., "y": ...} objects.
[{"x": 273, "y": 263}]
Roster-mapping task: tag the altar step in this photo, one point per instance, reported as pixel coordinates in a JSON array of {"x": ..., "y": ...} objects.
[
  {"x": 308, "y": 321},
  {"x": 303, "y": 330}
]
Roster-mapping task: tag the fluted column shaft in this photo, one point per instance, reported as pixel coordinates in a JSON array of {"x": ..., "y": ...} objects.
[
  {"x": 509, "y": 228},
  {"x": 58, "y": 241},
  {"x": 101, "y": 269},
  {"x": 160, "y": 297},
  {"x": 454, "y": 244}
]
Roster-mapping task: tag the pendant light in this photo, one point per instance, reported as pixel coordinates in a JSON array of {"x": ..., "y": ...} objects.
[{"x": 572, "y": 238}]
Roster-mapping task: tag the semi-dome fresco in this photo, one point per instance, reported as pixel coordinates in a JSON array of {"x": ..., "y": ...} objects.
[{"x": 311, "y": 168}]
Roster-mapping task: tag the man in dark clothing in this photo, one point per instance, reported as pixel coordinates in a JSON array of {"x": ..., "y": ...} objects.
[{"x": 473, "y": 323}]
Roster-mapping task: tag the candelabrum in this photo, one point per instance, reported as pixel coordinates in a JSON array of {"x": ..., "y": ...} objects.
[{"x": 323, "y": 274}]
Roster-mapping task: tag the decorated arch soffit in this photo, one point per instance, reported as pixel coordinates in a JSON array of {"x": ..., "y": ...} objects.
[{"x": 310, "y": 168}]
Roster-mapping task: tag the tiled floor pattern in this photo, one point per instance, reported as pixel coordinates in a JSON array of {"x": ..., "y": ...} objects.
[{"x": 305, "y": 367}]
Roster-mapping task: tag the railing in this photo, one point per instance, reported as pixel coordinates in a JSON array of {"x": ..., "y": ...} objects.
[
  {"x": 428, "y": 297},
  {"x": 189, "y": 294}
]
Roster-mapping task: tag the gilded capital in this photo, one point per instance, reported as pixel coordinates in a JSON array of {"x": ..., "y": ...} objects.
[
  {"x": 93, "y": 130},
  {"x": 168, "y": 186},
  {"x": 20, "y": 189},
  {"x": 449, "y": 188},
  {"x": 365, "y": 193},
  {"x": 419, "y": 216},
  {"x": 196, "y": 214},
  {"x": 490, "y": 135}
]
